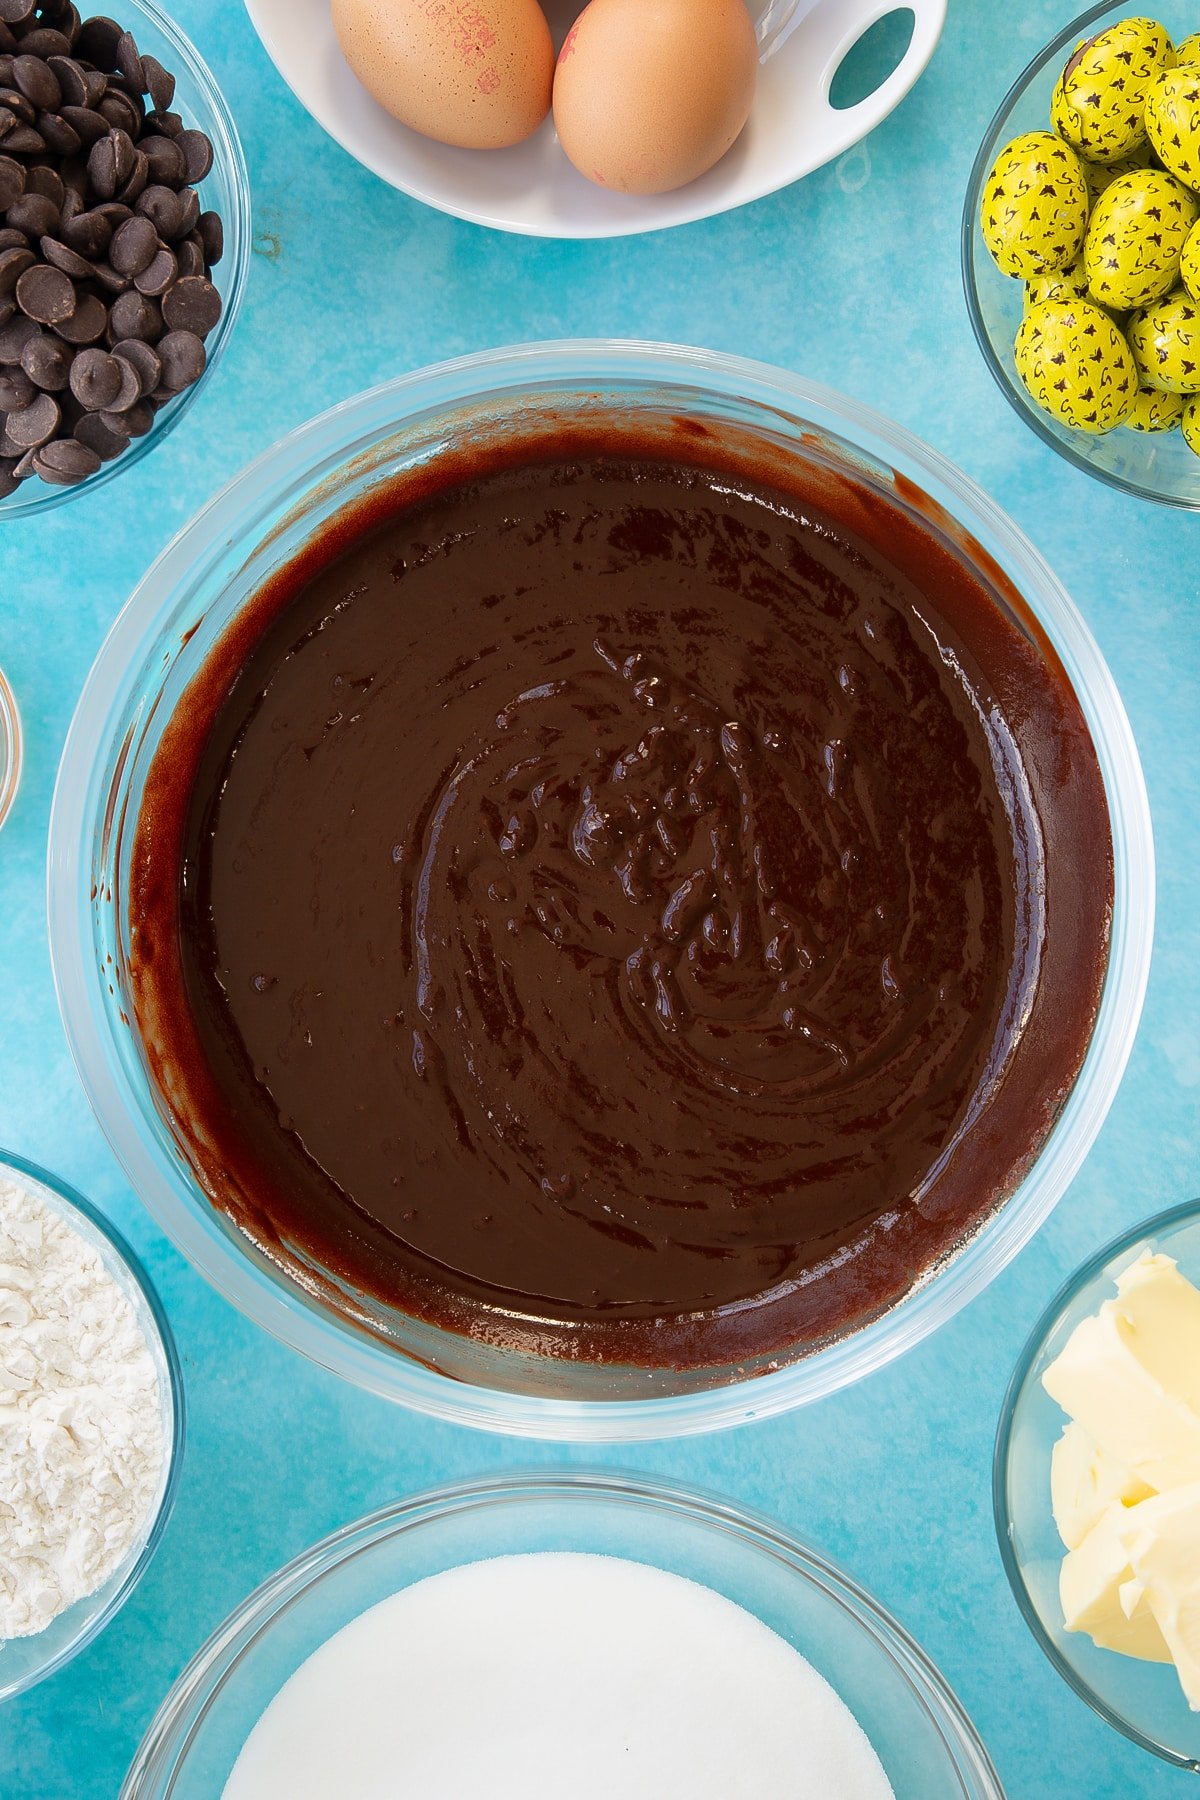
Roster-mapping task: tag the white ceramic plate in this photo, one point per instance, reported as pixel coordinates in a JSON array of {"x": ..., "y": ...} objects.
[{"x": 533, "y": 188}]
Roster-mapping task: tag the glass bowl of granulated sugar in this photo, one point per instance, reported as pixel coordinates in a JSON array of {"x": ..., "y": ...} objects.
[{"x": 91, "y": 1399}]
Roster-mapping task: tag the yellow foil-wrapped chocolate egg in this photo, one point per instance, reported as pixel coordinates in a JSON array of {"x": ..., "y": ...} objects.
[
  {"x": 1035, "y": 206},
  {"x": 1099, "y": 102},
  {"x": 1173, "y": 121},
  {"x": 1070, "y": 283},
  {"x": 1135, "y": 237},
  {"x": 1190, "y": 420},
  {"x": 1187, "y": 50},
  {"x": 1165, "y": 340},
  {"x": 1189, "y": 262},
  {"x": 1154, "y": 411},
  {"x": 1098, "y": 176},
  {"x": 1076, "y": 364}
]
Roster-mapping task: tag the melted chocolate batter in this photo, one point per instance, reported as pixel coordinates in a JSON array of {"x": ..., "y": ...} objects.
[{"x": 617, "y": 910}]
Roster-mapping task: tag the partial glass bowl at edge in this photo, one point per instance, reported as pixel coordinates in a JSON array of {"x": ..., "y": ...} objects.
[
  {"x": 225, "y": 190},
  {"x": 1154, "y": 465},
  {"x": 27, "y": 1660},
  {"x": 10, "y": 748},
  {"x": 921, "y": 1734},
  {"x": 1143, "y": 1700},
  {"x": 256, "y": 524}
]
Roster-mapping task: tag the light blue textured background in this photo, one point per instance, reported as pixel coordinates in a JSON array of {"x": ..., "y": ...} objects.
[{"x": 852, "y": 278}]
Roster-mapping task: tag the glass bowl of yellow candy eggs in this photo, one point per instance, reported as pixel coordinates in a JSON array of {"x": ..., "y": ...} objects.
[{"x": 1081, "y": 249}]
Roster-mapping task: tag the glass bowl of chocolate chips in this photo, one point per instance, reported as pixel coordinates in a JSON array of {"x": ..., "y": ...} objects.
[{"x": 124, "y": 241}]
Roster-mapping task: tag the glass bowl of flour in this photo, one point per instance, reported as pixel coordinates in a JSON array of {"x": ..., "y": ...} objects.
[
  {"x": 567, "y": 1633},
  {"x": 91, "y": 1423}
]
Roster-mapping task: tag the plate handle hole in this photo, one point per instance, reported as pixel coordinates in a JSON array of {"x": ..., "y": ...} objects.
[{"x": 869, "y": 61}]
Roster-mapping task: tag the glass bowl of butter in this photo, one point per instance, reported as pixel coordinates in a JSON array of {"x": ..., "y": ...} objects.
[{"x": 1096, "y": 1484}]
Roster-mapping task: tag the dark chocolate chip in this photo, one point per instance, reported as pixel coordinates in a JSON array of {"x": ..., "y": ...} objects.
[
  {"x": 144, "y": 361},
  {"x": 12, "y": 239},
  {"x": 45, "y": 294},
  {"x": 134, "y": 316},
  {"x": 99, "y": 437},
  {"x": 86, "y": 324},
  {"x": 14, "y": 336},
  {"x": 134, "y": 246},
  {"x": 35, "y": 423},
  {"x": 121, "y": 111},
  {"x": 160, "y": 84},
  {"x": 198, "y": 153},
  {"x": 110, "y": 163},
  {"x": 183, "y": 359},
  {"x": 189, "y": 211},
  {"x": 40, "y": 178},
  {"x": 156, "y": 279},
  {"x": 34, "y": 214},
  {"x": 166, "y": 159},
  {"x": 97, "y": 41},
  {"x": 135, "y": 421},
  {"x": 58, "y": 135},
  {"x": 193, "y": 304},
  {"x": 212, "y": 237},
  {"x": 46, "y": 43},
  {"x": 16, "y": 389},
  {"x": 61, "y": 256},
  {"x": 97, "y": 86},
  {"x": 13, "y": 264},
  {"x": 110, "y": 279},
  {"x": 131, "y": 191},
  {"x": 97, "y": 380},
  {"x": 89, "y": 233},
  {"x": 161, "y": 206},
  {"x": 37, "y": 81},
  {"x": 47, "y": 362},
  {"x": 72, "y": 84},
  {"x": 23, "y": 140},
  {"x": 89, "y": 126},
  {"x": 130, "y": 63},
  {"x": 168, "y": 123},
  {"x": 65, "y": 462},
  {"x": 12, "y": 181},
  {"x": 15, "y": 12},
  {"x": 10, "y": 481},
  {"x": 15, "y": 102},
  {"x": 190, "y": 257}
]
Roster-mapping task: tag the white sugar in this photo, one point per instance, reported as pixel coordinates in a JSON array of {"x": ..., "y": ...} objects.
[{"x": 557, "y": 1674}]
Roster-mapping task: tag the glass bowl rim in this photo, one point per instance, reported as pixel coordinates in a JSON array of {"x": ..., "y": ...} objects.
[
  {"x": 255, "y": 1616},
  {"x": 293, "y": 467},
  {"x": 13, "y": 740},
  {"x": 1070, "y": 1290},
  {"x": 984, "y": 158},
  {"x": 227, "y": 149},
  {"x": 73, "y": 1200}
]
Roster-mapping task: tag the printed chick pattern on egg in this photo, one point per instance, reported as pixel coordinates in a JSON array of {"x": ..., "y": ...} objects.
[
  {"x": 1173, "y": 121},
  {"x": 1035, "y": 206},
  {"x": 1189, "y": 262},
  {"x": 1070, "y": 283},
  {"x": 1076, "y": 365},
  {"x": 1153, "y": 410},
  {"x": 1135, "y": 238},
  {"x": 1099, "y": 102}
]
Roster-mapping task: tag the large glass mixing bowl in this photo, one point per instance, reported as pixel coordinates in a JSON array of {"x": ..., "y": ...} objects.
[{"x": 182, "y": 606}]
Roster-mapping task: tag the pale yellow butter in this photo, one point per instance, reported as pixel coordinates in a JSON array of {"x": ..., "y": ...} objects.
[
  {"x": 1125, "y": 1475},
  {"x": 1084, "y": 1482}
]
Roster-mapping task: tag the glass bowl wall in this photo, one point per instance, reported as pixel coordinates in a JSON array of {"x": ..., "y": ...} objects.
[{"x": 256, "y": 524}]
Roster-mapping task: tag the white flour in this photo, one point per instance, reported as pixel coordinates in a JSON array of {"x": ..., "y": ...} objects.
[{"x": 81, "y": 1433}]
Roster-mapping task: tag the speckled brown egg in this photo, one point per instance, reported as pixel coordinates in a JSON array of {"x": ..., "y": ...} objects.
[
  {"x": 1099, "y": 103},
  {"x": 1076, "y": 365},
  {"x": 648, "y": 94},
  {"x": 477, "y": 73},
  {"x": 1173, "y": 121},
  {"x": 1034, "y": 208},
  {"x": 1165, "y": 340},
  {"x": 1153, "y": 410},
  {"x": 1135, "y": 237}
]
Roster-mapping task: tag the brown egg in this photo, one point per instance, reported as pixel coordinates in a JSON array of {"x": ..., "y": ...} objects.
[
  {"x": 648, "y": 94},
  {"x": 473, "y": 72}
]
